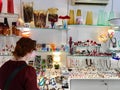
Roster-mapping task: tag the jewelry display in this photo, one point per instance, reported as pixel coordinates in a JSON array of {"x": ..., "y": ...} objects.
[
  {"x": 103, "y": 65},
  {"x": 113, "y": 41},
  {"x": 89, "y": 62},
  {"x": 108, "y": 64},
  {"x": 119, "y": 43},
  {"x": 118, "y": 64}
]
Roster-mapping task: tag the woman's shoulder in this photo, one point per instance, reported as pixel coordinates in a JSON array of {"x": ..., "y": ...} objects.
[
  {"x": 5, "y": 64},
  {"x": 30, "y": 69}
]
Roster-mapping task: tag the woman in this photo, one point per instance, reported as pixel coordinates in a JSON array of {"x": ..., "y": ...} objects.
[{"x": 26, "y": 78}]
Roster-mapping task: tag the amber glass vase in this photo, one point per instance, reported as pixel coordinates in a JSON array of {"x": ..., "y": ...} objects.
[
  {"x": 89, "y": 18},
  {"x": 40, "y": 18},
  {"x": 71, "y": 20},
  {"x": 28, "y": 11},
  {"x": 52, "y": 16}
]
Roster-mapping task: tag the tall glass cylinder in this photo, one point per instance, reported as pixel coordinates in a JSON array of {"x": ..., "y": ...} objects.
[
  {"x": 52, "y": 16},
  {"x": 101, "y": 17},
  {"x": 1, "y": 5},
  {"x": 71, "y": 14},
  {"x": 28, "y": 12},
  {"x": 89, "y": 18},
  {"x": 40, "y": 18},
  {"x": 79, "y": 19},
  {"x": 10, "y": 6}
]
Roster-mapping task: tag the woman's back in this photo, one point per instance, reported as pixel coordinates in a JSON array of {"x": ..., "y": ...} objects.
[{"x": 25, "y": 79}]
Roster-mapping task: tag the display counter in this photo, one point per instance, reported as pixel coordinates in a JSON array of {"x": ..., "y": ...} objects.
[{"x": 77, "y": 79}]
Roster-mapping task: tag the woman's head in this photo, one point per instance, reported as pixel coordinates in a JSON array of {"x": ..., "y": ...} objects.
[{"x": 24, "y": 46}]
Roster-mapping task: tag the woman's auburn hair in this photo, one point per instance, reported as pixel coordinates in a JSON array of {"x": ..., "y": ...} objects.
[{"x": 23, "y": 46}]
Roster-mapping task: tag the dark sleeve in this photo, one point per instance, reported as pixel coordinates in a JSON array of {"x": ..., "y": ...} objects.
[
  {"x": 31, "y": 79},
  {"x": 0, "y": 79},
  {"x": 3, "y": 69}
]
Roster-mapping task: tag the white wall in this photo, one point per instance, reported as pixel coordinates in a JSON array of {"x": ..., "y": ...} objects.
[
  {"x": 81, "y": 33},
  {"x": 62, "y": 6},
  {"x": 39, "y": 4}
]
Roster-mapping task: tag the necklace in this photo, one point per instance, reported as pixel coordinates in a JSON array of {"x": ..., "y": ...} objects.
[
  {"x": 118, "y": 64},
  {"x": 108, "y": 64}
]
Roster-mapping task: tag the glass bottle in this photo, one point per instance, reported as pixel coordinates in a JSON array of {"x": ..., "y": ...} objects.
[
  {"x": 89, "y": 18},
  {"x": 71, "y": 20},
  {"x": 79, "y": 19},
  {"x": 1, "y": 28},
  {"x": 6, "y": 30},
  {"x": 6, "y": 22}
]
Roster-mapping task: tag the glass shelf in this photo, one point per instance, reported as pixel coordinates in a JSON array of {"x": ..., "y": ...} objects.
[
  {"x": 5, "y": 55},
  {"x": 83, "y": 25},
  {"x": 117, "y": 30},
  {"x": 35, "y": 28},
  {"x": 117, "y": 51},
  {"x": 10, "y": 36},
  {"x": 89, "y": 46},
  {"x": 8, "y": 15},
  {"x": 115, "y": 21},
  {"x": 88, "y": 56},
  {"x": 50, "y": 51}
]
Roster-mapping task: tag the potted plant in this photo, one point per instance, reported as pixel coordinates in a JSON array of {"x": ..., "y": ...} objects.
[{"x": 56, "y": 66}]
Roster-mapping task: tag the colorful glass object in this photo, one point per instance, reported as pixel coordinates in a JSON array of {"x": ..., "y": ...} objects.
[
  {"x": 1, "y": 5},
  {"x": 28, "y": 11},
  {"x": 10, "y": 6},
  {"x": 79, "y": 19},
  {"x": 40, "y": 18},
  {"x": 71, "y": 20},
  {"x": 64, "y": 21},
  {"x": 116, "y": 58},
  {"x": 89, "y": 18},
  {"x": 42, "y": 81},
  {"x": 52, "y": 16}
]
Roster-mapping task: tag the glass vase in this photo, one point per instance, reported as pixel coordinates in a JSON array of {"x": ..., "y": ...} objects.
[
  {"x": 40, "y": 18},
  {"x": 52, "y": 24},
  {"x": 28, "y": 12},
  {"x": 64, "y": 23},
  {"x": 89, "y": 18},
  {"x": 71, "y": 20},
  {"x": 1, "y": 5},
  {"x": 10, "y": 6}
]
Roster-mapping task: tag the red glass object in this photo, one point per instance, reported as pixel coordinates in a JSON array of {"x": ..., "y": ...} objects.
[
  {"x": 1, "y": 5},
  {"x": 64, "y": 17},
  {"x": 10, "y": 6}
]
